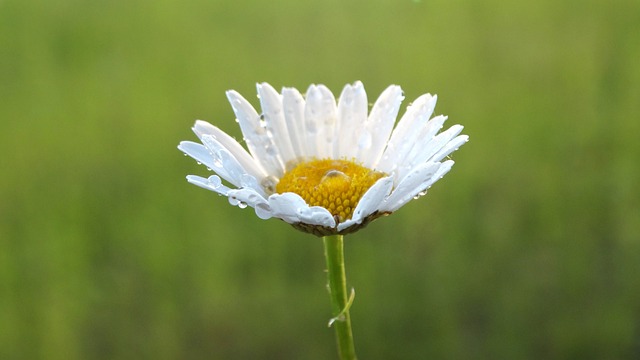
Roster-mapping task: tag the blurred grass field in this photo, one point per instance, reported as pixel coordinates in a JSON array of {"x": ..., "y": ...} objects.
[{"x": 528, "y": 249}]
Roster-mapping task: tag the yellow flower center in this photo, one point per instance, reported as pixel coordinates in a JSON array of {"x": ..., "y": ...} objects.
[{"x": 336, "y": 185}]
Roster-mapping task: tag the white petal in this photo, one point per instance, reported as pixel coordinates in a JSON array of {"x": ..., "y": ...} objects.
[
  {"x": 422, "y": 188},
  {"x": 271, "y": 103},
  {"x": 370, "y": 202},
  {"x": 202, "y": 128},
  {"x": 450, "y": 147},
  {"x": 263, "y": 211},
  {"x": 235, "y": 172},
  {"x": 406, "y": 133},
  {"x": 410, "y": 186},
  {"x": 420, "y": 147},
  {"x": 436, "y": 144},
  {"x": 246, "y": 196},
  {"x": 433, "y": 126},
  {"x": 442, "y": 171},
  {"x": 203, "y": 155},
  {"x": 293, "y": 209},
  {"x": 433, "y": 151},
  {"x": 261, "y": 145},
  {"x": 285, "y": 206},
  {"x": 352, "y": 113},
  {"x": 316, "y": 215},
  {"x": 320, "y": 116},
  {"x": 213, "y": 183},
  {"x": 377, "y": 129},
  {"x": 293, "y": 104}
]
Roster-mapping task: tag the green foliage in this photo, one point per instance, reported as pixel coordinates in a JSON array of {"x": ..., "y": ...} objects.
[{"x": 528, "y": 249}]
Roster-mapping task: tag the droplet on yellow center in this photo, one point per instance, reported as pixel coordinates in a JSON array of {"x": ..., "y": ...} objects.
[{"x": 336, "y": 185}]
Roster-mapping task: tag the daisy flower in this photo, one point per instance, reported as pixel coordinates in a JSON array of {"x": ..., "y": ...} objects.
[{"x": 326, "y": 167}]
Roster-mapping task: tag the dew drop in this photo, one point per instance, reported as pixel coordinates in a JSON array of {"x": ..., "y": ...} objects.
[
  {"x": 420, "y": 194},
  {"x": 198, "y": 162},
  {"x": 333, "y": 176},
  {"x": 271, "y": 150},
  {"x": 214, "y": 181},
  {"x": 242, "y": 205}
]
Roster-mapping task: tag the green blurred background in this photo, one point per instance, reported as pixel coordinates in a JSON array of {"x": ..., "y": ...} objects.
[{"x": 528, "y": 249}]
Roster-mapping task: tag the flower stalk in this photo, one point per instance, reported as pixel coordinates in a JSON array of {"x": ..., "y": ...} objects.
[{"x": 340, "y": 301}]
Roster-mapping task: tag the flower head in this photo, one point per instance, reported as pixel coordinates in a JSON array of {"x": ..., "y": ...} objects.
[{"x": 325, "y": 167}]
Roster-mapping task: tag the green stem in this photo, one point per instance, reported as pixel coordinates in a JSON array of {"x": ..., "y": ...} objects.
[{"x": 334, "y": 253}]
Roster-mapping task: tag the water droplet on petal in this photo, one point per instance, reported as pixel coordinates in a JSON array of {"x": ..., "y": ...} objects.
[
  {"x": 420, "y": 194},
  {"x": 214, "y": 181},
  {"x": 242, "y": 205},
  {"x": 271, "y": 150}
]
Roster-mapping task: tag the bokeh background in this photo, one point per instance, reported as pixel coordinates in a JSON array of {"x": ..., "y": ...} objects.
[{"x": 528, "y": 249}]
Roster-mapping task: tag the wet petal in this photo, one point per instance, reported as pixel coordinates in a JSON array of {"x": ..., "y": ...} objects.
[
  {"x": 406, "y": 133},
  {"x": 213, "y": 183},
  {"x": 235, "y": 173},
  {"x": 202, "y": 128},
  {"x": 260, "y": 143},
  {"x": 370, "y": 202},
  {"x": 247, "y": 196},
  {"x": 450, "y": 147},
  {"x": 377, "y": 129},
  {"x": 293, "y": 105},
  {"x": 320, "y": 116},
  {"x": 352, "y": 113},
  {"x": 433, "y": 149},
  {"x": 271, "y": 103},
  {"x": 203, "y": 155},
  {"x": 410, "y": 186},
  {"x": 293, "y": 209}
]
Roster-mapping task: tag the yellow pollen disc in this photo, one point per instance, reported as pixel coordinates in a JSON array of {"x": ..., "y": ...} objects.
[{"x": 336, "y": 185}]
